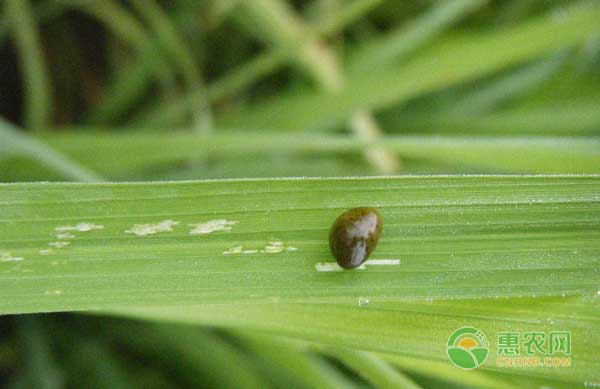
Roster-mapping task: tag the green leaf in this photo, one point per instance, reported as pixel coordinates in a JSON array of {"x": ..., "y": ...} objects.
[
  {"x": 254, "y": 253},
  {"x": 574, "y": 118},
  {"x": 405, "y": 39},
  {"x": 125, "y": 91},
  {"x": 456, "y": 60},
  {"x": 302, "y": 369},
  {"x": 173, "y": 44},
  {"x": 184, "y": 350},
  {"x": 82, "y": 246},
  {"x": 14, "y": 142},
  {"x": 38, "y": 89},
  {"x": 120, "y": 155},
  {"x": 39, "y": 367},
  {"x": 374, "y": 369},
  {"x": 418, "y": 331}
]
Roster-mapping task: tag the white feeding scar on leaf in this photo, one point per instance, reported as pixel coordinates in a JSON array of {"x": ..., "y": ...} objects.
[
  {"x": 7, "y": 257},
  {"x": 53, "y": 292},
  {"x": 151, "y": 229},
  {"x": 46, "y": 251},
  {"x": 65, "y": 235},
  {"x": 333, "y": 266},
  {"x": 381, "y": 262},
  {"x": 272, "y": 247},
  {"x": 211, "y": 226},
  {"x": 233, "y": 250},
  {"x": 59, "y": 244},
  {"x": 83, "y": 227}
]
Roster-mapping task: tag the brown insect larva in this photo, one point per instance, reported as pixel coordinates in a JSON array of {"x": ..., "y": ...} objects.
[{"x": 354, "y": 235}]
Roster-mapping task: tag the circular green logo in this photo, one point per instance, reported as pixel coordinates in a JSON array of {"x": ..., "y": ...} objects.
[{"x": 467, "y": 348}]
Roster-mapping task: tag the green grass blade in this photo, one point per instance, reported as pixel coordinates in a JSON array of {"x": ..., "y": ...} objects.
[
  {"x": 276, "y": 22},
  {"x": 40, "y": 368},
  {"x": 419, "y": 329},
  {"x": 236, "y": 80},
  {"x": 129, "y": 86},
  {"x": 122, "y": 94},
  {"x": 124, "y": 247},
  {"x": 118, "y": 20},
  {"x": 38, "y": 92},
  {"x": 438, "y": 373},
  {"x": 394, "y": 46},
  {"x": 93, "y": 364},
  {"x": 401, "y": 42},
  {"x": 185, "y": 349},
  {"x": 119, "y": 155},
  {"x": 15, "y": 142},
  {"x": 173, "y": 44},
  {"x": 374, "y": 369},
  {"x": 82, "y": 246},
  {"x": 321, "y": 63},
  {"x": 488, "y": 97},
  {"x": 250, "y": 72},
  {"x": 41, "y": 13},
  {"x": 444, "y": 65},
  {"x": 345, "y": 16},
  {"x": 568, "y": 118},
  {"x": 297, "y": 368}
]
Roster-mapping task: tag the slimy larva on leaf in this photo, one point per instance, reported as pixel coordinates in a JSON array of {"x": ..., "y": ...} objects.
[{"x": 354, "y": 236}]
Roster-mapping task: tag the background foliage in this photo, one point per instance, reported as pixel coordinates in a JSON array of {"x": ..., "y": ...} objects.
[{"x": 145, "y": 90}]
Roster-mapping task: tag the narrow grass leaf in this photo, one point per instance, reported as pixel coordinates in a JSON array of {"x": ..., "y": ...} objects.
[
  {"x": 420, "y": 329},
  {"x": 373, "y": 368},
  {"x": 121, "y": 155},
  {"x": 444, "y": 65},
  {"x": 399, "y": 43},
  {"x": 83, "y": 246},
  {"x": 38, "y": 92},
  {"x": 15, "y": 142}
]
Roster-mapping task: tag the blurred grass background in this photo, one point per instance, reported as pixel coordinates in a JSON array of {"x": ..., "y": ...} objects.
[{"x": 184, "y": 89}]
